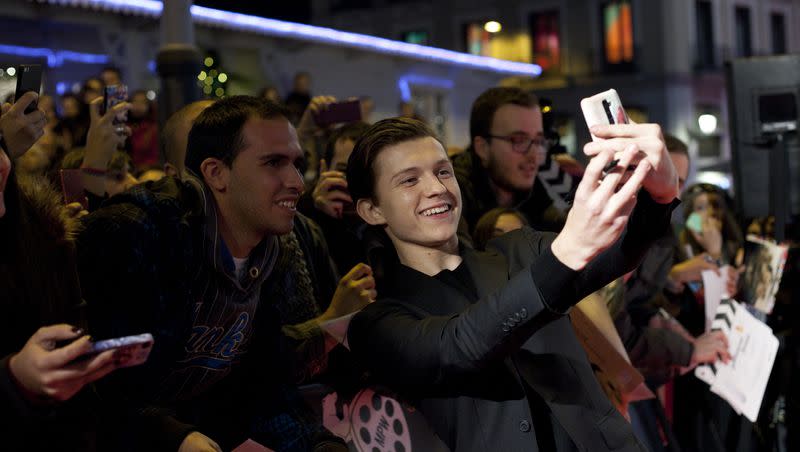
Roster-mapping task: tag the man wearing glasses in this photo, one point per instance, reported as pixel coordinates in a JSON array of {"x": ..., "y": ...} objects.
[{"x": 500, "y": 166}]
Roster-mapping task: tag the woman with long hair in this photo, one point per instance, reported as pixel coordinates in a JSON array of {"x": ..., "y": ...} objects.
[{"x": 42, "y": 335}]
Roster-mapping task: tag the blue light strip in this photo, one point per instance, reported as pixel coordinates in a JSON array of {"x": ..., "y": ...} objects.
[
  {"x": 54, "y": 57},
  {"x": 404, "y": 82},
  {"x": 272, "y": 27}
]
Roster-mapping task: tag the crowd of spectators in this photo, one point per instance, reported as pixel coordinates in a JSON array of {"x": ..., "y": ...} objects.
[{"x": 242, "y": 228}]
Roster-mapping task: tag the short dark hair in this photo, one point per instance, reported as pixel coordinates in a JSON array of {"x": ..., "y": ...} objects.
[
  {"x": 675, "y": 145},
  {"x": 485, "y": 106},
  {"x": 351, "y": 131},
  {"x": 217, "y": 132},
  {"x": 379, "y": 136}
]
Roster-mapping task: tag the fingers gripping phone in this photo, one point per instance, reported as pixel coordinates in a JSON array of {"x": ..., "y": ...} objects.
[
  {"x": 29, "y": 78},
  {"x": 130, "y": 350},
  {"x": 603, "y": 108}
]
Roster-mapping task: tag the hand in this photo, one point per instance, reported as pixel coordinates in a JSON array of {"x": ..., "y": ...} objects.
[
  {"x": 45, "y": 370},
  {"x": 355, "y": 290},
  {"x": 198, "y": 442},
  {"x": 709, "y": 348},
  {"x": 104, "y": 137},
  {"x": 732, "y": 275},
  {"x": 662, "y": 181},
  {"x": 75, "y": 210},
  {"x": 330, "y": 194},
  {"x": 692, "y": 269},
  {"x": 601, "y": 209},
  {"x": 711, "y": 237},
  {"x": 21, "y": 131},
  {"x": 307, "y": 124}
]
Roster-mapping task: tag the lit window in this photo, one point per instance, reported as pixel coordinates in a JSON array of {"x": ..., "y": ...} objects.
[
  {"x": 618, "y": 32},
  {"x": 546, "y": 39},
  {"x": 478, "y": 39}
]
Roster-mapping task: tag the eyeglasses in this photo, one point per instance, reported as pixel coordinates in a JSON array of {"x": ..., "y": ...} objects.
[{"x": 522, "y": 144}]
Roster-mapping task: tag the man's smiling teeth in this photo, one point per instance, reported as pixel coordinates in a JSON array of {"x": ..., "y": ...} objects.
[
  {"x": 436, "y": 210},
  {"x": 288, "y": 204}
]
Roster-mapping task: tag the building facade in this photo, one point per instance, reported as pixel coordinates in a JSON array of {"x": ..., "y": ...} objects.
[
  {"x": 75, "y": 39},
  {"x": 665, "y": 57}
]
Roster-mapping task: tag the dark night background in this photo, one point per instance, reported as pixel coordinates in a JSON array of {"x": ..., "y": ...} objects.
[{"x": 291, "y": 10}]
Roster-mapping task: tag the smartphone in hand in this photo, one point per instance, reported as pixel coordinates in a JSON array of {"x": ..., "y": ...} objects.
[
  {"x": 695, "y": 222},
  {"x": 603, "y": 108},
  {"x": 29, "y": 78},
  {"x": 113, "y": 95},
  {"x": 339, "y": 112},
  {"x": 131, "y": 350}
]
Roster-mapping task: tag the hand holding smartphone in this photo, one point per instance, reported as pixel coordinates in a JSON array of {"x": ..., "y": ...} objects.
[
  {"x": 29, "y": 78},
  {"x": 113, "y": 95},
  {"x": 604, "y": 108}
]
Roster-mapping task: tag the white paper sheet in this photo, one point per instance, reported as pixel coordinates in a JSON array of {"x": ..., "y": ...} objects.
[{"x": 743, "y": 380}]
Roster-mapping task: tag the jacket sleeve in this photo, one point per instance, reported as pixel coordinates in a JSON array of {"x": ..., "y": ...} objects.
[
  {"x": 407, "y": 346},
  {"x": 649, "y": 221},
  {"x": 117, "y": 254},
  {"x": 656, "y": 352}
]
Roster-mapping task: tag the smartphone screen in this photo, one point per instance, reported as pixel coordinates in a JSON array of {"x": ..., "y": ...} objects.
[
  {"x": 113, "y": 95},
  {"x": 29, "y": 78}
]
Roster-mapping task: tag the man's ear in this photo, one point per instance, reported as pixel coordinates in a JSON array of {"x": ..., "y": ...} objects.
[
  {"x": 215, "y": 173},
  {"x": 370, "y": 212},
  {"x": 481, "y": 147}
]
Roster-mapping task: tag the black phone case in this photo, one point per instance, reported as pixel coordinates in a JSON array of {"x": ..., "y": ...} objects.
[{"x": 29, "y": 78}]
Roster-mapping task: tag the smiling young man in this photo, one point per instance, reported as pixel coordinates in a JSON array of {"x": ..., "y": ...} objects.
[
  {"x": 480, "y": 341},
  {"x": 499, "y": 169},
  {"x": 202, "y": 264}
]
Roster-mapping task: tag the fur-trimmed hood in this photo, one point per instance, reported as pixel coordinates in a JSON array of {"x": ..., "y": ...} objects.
[
  {"x": 38, "y": 279},
  {"x": 46, "y": 207}
]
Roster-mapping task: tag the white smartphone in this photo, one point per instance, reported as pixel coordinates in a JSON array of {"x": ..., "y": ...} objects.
[
  {"x": 603, "y": 108},
  {"x": 131, "y": 350}
]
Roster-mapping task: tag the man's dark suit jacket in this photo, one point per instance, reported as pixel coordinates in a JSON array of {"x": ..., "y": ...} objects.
[{"x": 469, "y": 364}]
